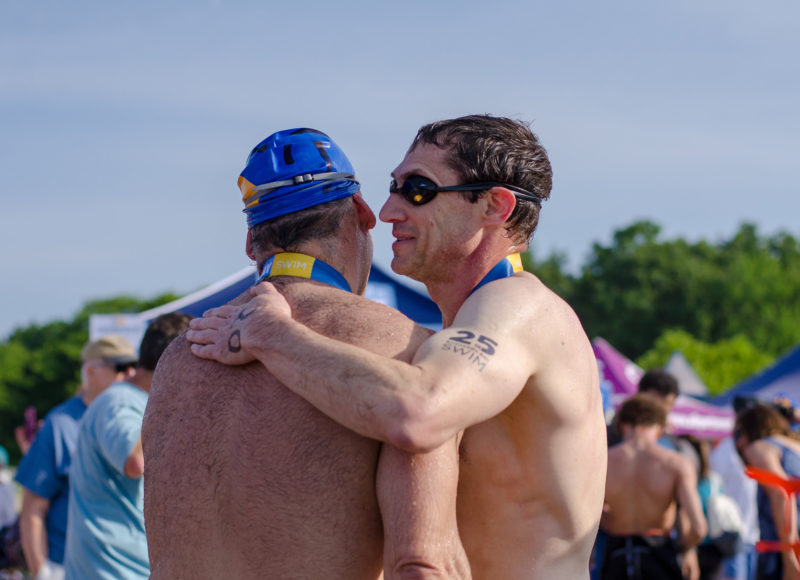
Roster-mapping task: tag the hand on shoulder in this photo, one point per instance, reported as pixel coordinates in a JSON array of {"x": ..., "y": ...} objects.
[{"x": 222, "y": 333}]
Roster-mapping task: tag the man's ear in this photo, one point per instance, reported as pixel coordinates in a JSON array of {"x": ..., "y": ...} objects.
[
  {"x": 249, "y": 246},
  {"x": 365, "y": 214},
  {"x": 500, "y": 204}
]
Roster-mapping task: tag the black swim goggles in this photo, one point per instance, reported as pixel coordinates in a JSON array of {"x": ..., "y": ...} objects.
[{"x": 419, "y": 190}]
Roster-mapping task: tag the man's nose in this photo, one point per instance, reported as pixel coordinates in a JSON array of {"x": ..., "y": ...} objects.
[{"x": 391, "y": 210}]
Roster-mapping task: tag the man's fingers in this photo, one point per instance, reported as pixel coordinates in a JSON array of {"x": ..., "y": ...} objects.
[
  {"x": 203, "y": 351},
  {"x": 198, "y": 336},
  {"x": 213, "y": 323},
  {"x": 197, "y": 324},
  {"x": 225, "y": 311}
]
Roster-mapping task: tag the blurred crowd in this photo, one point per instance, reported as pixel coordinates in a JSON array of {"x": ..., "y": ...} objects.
[
  {"x": 79, "y": 512},
  {"x": 683, "y": 507}
]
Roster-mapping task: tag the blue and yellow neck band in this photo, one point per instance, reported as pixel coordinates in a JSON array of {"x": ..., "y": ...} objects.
[
  {"x": 302, "y": 266},
  {"x": 508, "y": 266}
]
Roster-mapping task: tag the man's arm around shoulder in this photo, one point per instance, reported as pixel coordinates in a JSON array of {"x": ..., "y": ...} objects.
[{"x": 461, "y": 376}]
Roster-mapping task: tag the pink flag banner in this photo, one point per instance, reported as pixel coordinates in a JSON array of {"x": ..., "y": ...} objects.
[
  {"x": 689, "y": 415},
  {"x": 704, "y": 420},
  {"x": 622, "y": 373}
]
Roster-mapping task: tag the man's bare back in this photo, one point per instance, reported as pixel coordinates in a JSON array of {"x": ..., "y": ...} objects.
[
  {"x": 642, "y": 489},
  {"x": 247, "y": 480},
  {"x": 648, "y": 487},
  {"x": 647, "y": 483}
]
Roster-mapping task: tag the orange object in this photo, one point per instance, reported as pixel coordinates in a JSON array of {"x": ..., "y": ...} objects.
[{"x": 789, "y": 488}]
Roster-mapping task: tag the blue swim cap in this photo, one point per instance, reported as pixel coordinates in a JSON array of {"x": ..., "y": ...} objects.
[{"x": 293, "y": 170}]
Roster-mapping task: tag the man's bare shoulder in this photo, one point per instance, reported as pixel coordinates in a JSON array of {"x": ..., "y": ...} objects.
[
  {"x": 547, "y": 304},
  {"x": 545, "y": 326},
  {"x": 523, "y": 301},
  {"x": 183, "y": 381},
  {"x": 340, "y": 315},
  {"x": 180, "y": 374},
  {"x": 634, "y": 462},
  {"x": 177, "y": 361},
  {"x": 355, "y": 319},
  {"x": 673, "y": 460}
]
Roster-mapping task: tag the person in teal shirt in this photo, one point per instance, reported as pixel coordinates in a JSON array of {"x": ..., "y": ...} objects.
[{"x": 44, "y": 470}]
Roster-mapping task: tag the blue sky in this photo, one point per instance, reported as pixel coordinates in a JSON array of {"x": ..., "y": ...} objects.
[{"x": 124, "y": 126}]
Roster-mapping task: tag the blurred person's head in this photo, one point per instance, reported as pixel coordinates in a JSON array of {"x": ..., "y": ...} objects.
[
  {"x": 640, "y": 411},
  {"x": 159, "y": 334},
  {"x": 660, "y": 384},
  {"x": 741, "y": 404},
  {"x": 103, "y": 362},
  {"x": 757, "y": 422},
  {"x": 786, "y": 405}
]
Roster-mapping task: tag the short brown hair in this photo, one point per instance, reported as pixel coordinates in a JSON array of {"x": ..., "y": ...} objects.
[
  {"x": 286, "y": 232},
  {"x": 659, "y": 382},
  {"x": 161, "y": 331},
  {"x": 486, "y": 148},
  {"x": 642, "y": 410},
  {"x": 761, "y": 421}
]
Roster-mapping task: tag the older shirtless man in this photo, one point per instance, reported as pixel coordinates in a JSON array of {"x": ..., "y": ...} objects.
[
  {"x": 247, "y": 480},
  {"x": 512, "y": 366},
  {"x": 646, "y": 482}
]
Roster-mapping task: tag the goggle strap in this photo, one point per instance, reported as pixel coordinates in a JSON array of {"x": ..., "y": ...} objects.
[
  {"x": 518, "y": 191},
  {"x": 300, "y": 179}
]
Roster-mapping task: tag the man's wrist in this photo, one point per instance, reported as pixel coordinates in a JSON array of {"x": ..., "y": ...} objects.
[{"x": 262, "y": 338}]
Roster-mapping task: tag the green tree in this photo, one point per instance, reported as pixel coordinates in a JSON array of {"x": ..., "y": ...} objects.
[
  {"x": 720, "y": 365},
  {"x": 760, "y": 295},
  {"x": 40, "y": 364},
  {"x": 633, "y": 290}
]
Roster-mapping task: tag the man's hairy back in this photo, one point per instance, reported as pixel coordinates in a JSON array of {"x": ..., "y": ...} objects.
[{"x": 244, "y": 479}]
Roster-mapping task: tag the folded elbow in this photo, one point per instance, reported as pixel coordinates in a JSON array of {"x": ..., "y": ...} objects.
[
  {"x": 416, "y": 571},
  {"x": 417, "y": 430},
  {"x": 702, "y": 531},
  {"x": 449, "y": 561},
  {"x": 134, "y": 467},
  {"x": 696, "y": 535}
]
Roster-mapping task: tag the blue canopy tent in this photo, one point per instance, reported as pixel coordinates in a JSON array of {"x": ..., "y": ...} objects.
[
  {"x": 781, "y": 378},
  {"x": 381, "y": 287}
]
